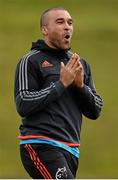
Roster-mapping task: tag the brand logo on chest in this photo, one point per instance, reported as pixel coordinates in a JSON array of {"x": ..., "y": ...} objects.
[{"x": 46, "y": 64}]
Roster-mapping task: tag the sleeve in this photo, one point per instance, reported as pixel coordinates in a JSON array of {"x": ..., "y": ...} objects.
[
  {"x": 29, "y": 97},
  {"x": 91, "y": 103}
]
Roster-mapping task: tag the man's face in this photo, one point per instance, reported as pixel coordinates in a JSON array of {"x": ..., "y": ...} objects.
[{"x": 58, "y": 29}]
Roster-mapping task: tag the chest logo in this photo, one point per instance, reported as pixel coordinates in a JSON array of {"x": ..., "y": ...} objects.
[{"x": 46, "y": 64}]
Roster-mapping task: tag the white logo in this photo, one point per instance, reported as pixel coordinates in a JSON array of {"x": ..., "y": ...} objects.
[{"x": 61, "y": 173}]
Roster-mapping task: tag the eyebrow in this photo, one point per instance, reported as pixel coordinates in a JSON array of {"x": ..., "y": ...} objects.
[{"x": 60, "y": 19}]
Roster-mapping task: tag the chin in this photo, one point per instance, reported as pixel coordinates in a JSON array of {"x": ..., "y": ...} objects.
[{"x": 66, "y": 47}]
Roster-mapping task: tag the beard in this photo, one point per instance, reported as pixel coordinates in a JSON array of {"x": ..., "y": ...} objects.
[{"x": 60, "y": 44}]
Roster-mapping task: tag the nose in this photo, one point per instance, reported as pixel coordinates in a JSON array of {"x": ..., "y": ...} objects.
[{"x": 67, "y": 26}]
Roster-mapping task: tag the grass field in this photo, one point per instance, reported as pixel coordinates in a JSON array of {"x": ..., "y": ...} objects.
[{"x": 96, "y": 39}]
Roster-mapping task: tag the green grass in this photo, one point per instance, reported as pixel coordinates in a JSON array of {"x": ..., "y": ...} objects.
[{"x": 96, "y": 39}]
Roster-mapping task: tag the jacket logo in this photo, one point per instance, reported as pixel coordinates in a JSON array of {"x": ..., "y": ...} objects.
[
  {"x": 46, "y": 64},
  {"x": 61, "y": 173}
]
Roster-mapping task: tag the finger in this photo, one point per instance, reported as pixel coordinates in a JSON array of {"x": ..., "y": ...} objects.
[
  {"x": 77, "y": 62},
  {"x": 72, "y": 61},
  {"x": 62, "y": 64},
  {"x": 79, "y": 70},
  {"x": 75, "y": 65},
  {"x": 77, "y": 57}
]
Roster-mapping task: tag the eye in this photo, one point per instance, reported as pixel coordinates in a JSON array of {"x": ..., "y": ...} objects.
[
  {"x": 59, "y": 22},
  {"x": 70, "y": 23}
]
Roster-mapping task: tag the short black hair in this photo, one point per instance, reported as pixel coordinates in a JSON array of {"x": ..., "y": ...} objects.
[{"x": 43, "y": 20}]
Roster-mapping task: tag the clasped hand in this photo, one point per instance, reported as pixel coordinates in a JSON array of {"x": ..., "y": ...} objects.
[{"x": 72, "y": 72}]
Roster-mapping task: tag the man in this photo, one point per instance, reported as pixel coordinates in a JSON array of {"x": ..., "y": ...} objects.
[{"x": 53, "y": 89}]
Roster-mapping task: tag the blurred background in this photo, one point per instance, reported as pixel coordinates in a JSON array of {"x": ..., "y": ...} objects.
[{"x": 95, "y": 39}]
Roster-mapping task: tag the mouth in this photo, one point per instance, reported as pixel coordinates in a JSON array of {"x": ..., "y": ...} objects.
[{"x": 67, "y": 37}]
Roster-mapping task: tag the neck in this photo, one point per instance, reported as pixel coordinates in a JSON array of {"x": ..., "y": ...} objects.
[{"x": 49, "y": 43}]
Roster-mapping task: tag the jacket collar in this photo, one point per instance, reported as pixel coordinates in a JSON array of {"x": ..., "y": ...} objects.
[{"x": 41, "y": 45}]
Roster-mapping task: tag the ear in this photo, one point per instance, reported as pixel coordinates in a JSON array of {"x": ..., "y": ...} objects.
[{"x": 44, "y": 30}]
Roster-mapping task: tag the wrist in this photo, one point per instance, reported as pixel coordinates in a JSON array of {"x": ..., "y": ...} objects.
[
  {"x": 80, "y": 86},
  {"x": 64, "y": 84}
]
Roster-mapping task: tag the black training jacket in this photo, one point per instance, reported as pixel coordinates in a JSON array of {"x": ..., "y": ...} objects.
[{"x": 48, "y": 108}]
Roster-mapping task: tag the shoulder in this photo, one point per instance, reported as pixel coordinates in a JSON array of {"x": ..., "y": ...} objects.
[
  {"x": 31, "y": 57},
  {"x": 87, "y": 71},
  {"x": 86, "y": 66}
]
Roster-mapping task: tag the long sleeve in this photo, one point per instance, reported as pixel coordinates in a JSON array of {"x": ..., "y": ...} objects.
[
  {"x": 29, "y": 97},
  {"x": 90, "y": 102}
]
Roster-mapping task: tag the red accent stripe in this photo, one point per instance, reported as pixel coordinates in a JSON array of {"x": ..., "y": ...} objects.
[
  {"x": 45, "y": 137},
  {"x": 39, "y": 165},
  {"x": 36, "y": 163}
]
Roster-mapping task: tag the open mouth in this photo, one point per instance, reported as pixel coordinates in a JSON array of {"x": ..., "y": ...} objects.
[{"x": 67, "y": 36}]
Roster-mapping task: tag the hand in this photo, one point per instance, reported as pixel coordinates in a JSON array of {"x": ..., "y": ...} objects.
[
  {"x": 69, "y": 71},
  {"x": 79, "y": 78}
]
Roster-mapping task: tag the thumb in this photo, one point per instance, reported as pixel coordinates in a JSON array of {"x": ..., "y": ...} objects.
[{"x": 62, "y": 65}]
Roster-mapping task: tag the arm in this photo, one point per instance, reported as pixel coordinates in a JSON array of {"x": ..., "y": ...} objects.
[
  {"x": 29, "y": 97},
  {"x": 90, "y": 102}
]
